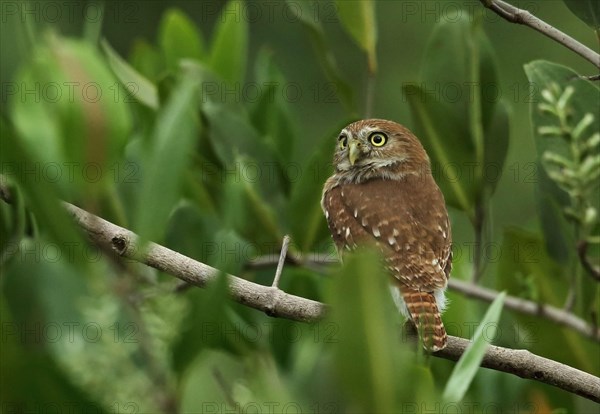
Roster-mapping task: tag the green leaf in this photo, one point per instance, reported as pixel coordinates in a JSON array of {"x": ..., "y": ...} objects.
[
  {"x": 93, "y": 27},
  {"x": 303, "y": 12},
  {"x": 306, "y": 218},
  {"x": 217, "y": 381},
  {"x": 271, "y": 114},
  {"x": 146, "y": 59},
  {"x": 195, "y": 189},
  {"x": 13, "y": 220},
  {"x": 42, "y": 138},
  {"x": 209, "y": 381},
  {"x": 83, "y": 123},
  {"x": 229, "y": 51},
  {"x": 263, "y": 216},
  {"x": 29, "y": 374},
  {"x": 496, "y": 137},
  {"x": 358, "y": 18},
  {"x": 137, "y": 86},
  {"x": 231, "y": 135},
  {"x": 443, "y": 139},
  {"x": 459, "y": 118},
  {"x": 41, "y": 283},
  {"x": 523, "y": 255},
  {"x": 179, "y": 39},
  {"x": 204, "y": 323},
  {"x": 365, "y": 355},
  {"x": 190, "y": 232},
  {"x": 467, "y": 83},
  {"x": 245, "y": 208},
  {"x": 588, "y": 11},
  {"x": 243, "y": 153},
  {"x": 468, "y": 364},
  {"x": 550, "y": 204},
  {"x": 527, "y": 270},
  {"x": 551, "y": 199},
  {"x": 41, "y": 196},
  {"x": 164, "y": 166}
]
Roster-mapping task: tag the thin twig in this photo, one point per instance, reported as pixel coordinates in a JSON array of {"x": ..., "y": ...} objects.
[
  {"x": 528, "y": 307},
  {"x": 282, "y": 255},
  {"x": 592, "y": 270},
  {"x": 570, "y": 300},
  {"x": 517, "y": 362},
  {"x": 520, "y": 16}
]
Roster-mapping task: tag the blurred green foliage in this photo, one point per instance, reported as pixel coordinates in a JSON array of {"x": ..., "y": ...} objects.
[{"x": 209, "y": 128}]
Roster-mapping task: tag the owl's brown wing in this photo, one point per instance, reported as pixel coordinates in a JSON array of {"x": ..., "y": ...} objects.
[
  {"x": 408, "y": 220},
  {"x": 345, "y": 230}
]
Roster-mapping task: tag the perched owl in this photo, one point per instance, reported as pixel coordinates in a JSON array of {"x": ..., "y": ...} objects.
[{"x": 383, "y": 193}]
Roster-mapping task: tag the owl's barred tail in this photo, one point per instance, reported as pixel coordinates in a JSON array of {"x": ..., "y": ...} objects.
[{"x": 424, "y": 312}]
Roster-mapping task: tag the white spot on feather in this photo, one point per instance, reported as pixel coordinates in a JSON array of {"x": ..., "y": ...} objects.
[
  {"x": 395, "y": 233},
  {"x": 434, "y": 262},
  {"x": 376, "y": 232},
  {"x": 442, "y": 231},
  {"x": 391, "y": 240}
]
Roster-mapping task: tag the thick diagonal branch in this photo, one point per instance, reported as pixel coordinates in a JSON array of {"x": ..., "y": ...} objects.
[{"x": 276, "y": 303}]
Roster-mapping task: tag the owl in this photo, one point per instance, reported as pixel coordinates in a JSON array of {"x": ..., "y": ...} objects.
[{"x": 383, "y": 193}]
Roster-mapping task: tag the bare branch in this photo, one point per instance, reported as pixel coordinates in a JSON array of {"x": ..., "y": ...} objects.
[
  {"x": 592, "y": 270},
  {"x": 528, "y": 307},
  {"x": 527, "y": 365},
  {"x": 284, "y": 249},
  {"x": 517, "y": 362},
  {"x": 260, "y": 297},
  {"x": 524, "y": 17},
  {"x": 550, "y": 313}
]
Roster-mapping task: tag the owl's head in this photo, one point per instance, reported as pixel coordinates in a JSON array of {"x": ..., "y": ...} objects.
[{"x": 378, "y": 148}]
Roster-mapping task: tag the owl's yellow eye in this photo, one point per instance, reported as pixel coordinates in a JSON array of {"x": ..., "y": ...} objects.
[
  {"x": 378, "y": 139},
  {"x": 343, "y": 139}
]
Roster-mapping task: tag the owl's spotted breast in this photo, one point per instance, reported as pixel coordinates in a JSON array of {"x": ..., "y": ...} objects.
[{"x": 402, "y": 220}]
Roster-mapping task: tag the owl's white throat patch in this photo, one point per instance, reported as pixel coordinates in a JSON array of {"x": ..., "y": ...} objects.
[{"x": 363, "y": 171}]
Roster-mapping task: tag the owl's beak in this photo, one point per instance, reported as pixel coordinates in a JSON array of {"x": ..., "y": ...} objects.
[{"x": 353, "y": 151}]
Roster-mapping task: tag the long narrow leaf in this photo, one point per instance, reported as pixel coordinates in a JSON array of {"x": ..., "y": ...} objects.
[
  {"x": 141, "y": 88},
  {"x": 229, "y": 52},
  {"x": 323, "y": 52},
  {"x": 358, "y": 18},
  {"x": 469, "y": 363},
  {"x": 165, "y": 164},
  {"x": 179, "y": 39}
]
